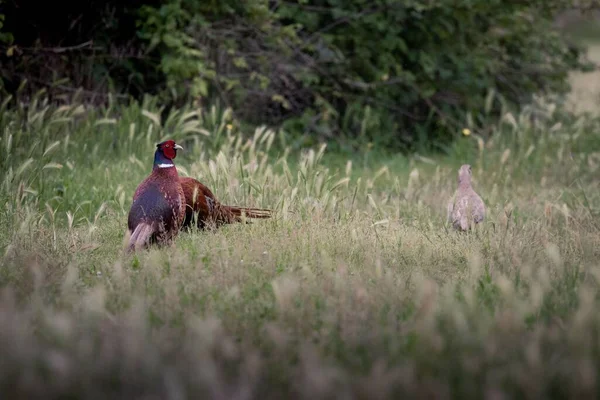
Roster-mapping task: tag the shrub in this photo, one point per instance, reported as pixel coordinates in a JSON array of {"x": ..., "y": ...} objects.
[
  {"x": 394, "y": 72},
  {"x": 424, "y": 64}
]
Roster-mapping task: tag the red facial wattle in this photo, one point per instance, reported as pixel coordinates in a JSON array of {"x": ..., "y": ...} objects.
[
  {"x": 169, "y": 152},
  {"x": 169, "y": 149}
]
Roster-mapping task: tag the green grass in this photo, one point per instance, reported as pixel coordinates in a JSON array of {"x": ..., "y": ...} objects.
[{"x": 356, "y": 288}]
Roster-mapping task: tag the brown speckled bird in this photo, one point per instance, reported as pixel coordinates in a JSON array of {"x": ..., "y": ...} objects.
[
  {"x": 203, "y": 208},
  {"x": 158, "y": 209},
  {"x": 466, "y": 208}
]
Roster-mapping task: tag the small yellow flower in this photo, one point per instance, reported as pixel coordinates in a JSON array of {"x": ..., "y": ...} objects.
[
  {"x": 466, "y": 131},
  {"x": 370, "y": 145},
  {"x": 229, "y": 127}
]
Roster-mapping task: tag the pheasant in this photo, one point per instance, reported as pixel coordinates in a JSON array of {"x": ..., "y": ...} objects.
[
  {"x": 202, "y": 205},
  {"x": 158, "y": 207},
  {"x": 466, "y": 208}
]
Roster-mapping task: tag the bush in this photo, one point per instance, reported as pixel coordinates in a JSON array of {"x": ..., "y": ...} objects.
[
  {"x": 424, "y": 64},
  {"x": 394, "y": 72}
]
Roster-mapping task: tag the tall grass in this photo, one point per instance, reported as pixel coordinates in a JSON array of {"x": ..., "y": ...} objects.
[{"x": 355, "y": 289}]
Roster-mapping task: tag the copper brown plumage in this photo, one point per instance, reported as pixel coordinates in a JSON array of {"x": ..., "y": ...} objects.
[
  {"x": 203, "y": 208},
  {"x": 158, "y": 209}
]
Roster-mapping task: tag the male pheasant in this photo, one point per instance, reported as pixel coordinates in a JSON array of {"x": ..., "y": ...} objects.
[
  {"x": 466, "y": 208},
  {"x": 158, "y": 207},
  {"x": 202, "y": 205}
]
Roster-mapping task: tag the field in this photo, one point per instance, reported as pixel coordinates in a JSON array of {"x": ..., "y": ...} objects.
[{"x": 356, "y": 288}]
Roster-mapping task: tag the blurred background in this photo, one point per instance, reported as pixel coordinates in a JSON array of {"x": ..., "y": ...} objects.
[{"x": 404, "y": 75}]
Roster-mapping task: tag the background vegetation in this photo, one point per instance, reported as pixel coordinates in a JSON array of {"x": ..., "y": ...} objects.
[{"x": 396, "y": 73}]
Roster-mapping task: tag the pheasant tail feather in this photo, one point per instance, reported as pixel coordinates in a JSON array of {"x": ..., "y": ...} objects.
[{"x": 249, "y": 212}]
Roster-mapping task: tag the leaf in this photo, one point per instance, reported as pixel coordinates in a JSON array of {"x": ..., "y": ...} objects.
[
  {"x": 281, "y": 100},
  {"x": 240, "y": 62}
]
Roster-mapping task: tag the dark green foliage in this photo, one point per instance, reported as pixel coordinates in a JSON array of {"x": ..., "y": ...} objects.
[
  {"x": 393, "y": 72},
  {"x": 422, "y": 63},
  {"x": 65, "y": 45}
]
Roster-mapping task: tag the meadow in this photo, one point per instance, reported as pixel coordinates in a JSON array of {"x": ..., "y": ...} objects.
[{"x": 357, "y": 288}]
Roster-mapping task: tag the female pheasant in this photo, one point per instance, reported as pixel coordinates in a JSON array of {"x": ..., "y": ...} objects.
[
  {"x": 202, "y": 205},
  {"x": 158, "y": 207},
  {"x": 465, "y": 209}
]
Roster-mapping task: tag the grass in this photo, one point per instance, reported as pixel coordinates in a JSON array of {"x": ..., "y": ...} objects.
[{"x": 356, "y": 289}]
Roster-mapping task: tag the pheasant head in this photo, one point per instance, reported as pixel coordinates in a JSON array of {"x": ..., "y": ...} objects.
[
  {"x": 165, "y": 153},
  {"x": 464, "y": 175}
]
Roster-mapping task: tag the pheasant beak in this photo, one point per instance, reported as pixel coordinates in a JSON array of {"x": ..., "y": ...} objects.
[{"x": 177, "y": 147}]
